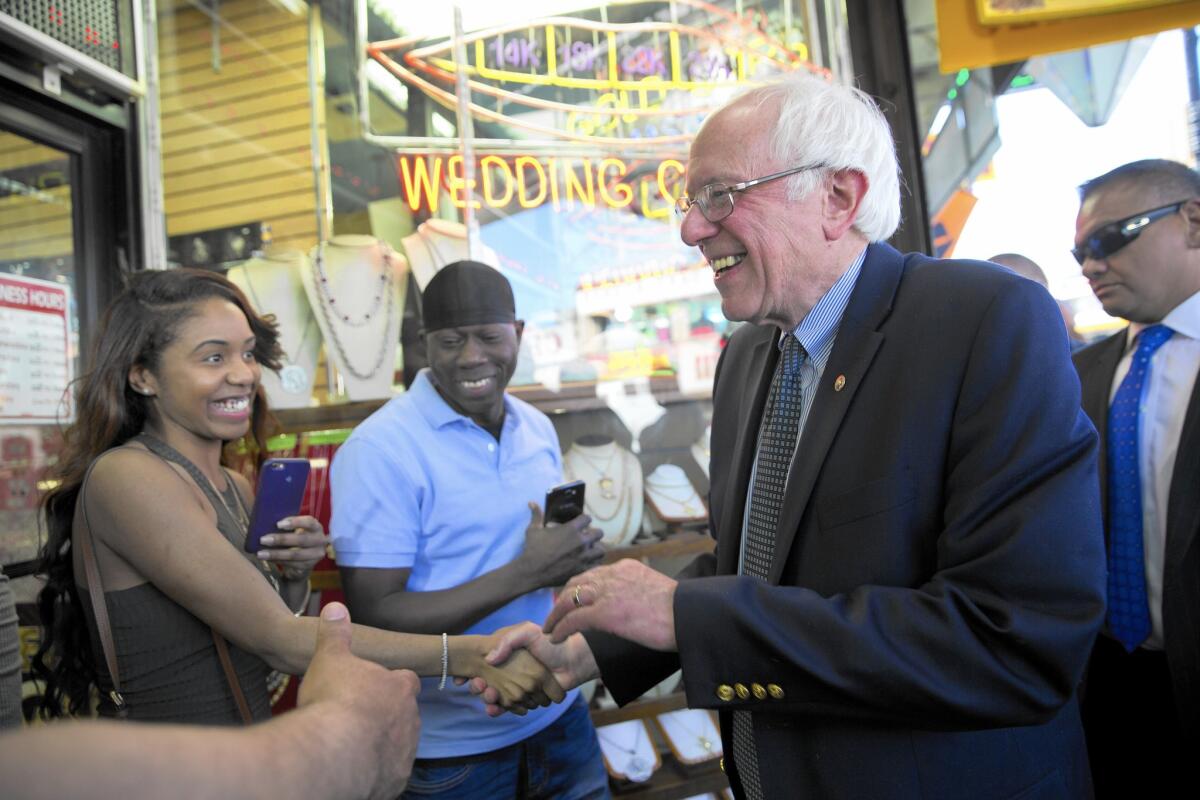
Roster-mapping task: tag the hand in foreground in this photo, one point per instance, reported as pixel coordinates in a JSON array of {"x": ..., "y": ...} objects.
[
  {"x": 296, "y": 552},
  {"x": 571, "y": 662},
  {"x": 627, "y": 599},
  {"x": 520, "y": 682},
  {"x": 383, "y": 702},
  {"x": 554, "y": 553}
]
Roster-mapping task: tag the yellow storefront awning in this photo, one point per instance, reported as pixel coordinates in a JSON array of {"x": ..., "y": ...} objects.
[{"x": 966, "y": 42}]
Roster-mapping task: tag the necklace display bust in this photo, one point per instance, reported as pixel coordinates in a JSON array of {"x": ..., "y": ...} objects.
[
  {"x": 273, "y": 282},
  {"x": 356, "y": 284},
  {"x": 671, "y": 498},
  {"x": 614, "y": 486},
  {"x": 436, "y": 243}
]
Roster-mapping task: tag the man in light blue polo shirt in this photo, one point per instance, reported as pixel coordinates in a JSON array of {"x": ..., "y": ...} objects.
[{"x": 437, "y": 528}]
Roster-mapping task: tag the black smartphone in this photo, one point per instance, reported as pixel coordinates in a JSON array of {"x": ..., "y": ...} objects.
[
  {"x": 564, "y": 503},
  {"x": 280, "y": 493}
]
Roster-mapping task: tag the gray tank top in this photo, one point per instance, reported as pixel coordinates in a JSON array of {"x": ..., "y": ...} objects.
[{"x": 169, "y": 667}]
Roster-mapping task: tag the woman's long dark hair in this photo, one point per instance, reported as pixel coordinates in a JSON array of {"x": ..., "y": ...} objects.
[{"x": 137, "y": 326}]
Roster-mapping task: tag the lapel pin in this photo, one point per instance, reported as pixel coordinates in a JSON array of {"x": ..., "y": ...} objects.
[{"x": 839, "y": 383}]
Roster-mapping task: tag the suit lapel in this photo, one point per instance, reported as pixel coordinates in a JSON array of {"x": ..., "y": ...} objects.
[
  {"x": 858, "y": 339},
  {"x": 1097, "y": 365},
  {"x": 760, "y": 365},
  {"x": 1183, "y": 509}
]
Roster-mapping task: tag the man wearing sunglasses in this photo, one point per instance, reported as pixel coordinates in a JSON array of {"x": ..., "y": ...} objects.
[
  {"x": 1138, "y": 240},
  {"x": 908, "y": 574}
]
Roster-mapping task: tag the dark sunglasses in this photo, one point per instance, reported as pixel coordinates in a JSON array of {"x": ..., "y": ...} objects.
[{"x": 1108, "y": 239}]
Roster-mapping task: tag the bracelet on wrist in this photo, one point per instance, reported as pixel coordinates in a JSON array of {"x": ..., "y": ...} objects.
[
  {"x": 445, "y": 661},
  {"x": 303, "y": 609}
]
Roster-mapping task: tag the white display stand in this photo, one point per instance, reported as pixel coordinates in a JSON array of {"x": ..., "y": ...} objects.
[
  {"x": 438, "y": 242},
  {"x": 692, "y": 734},
  {"x": 273, "y": 283},
  {"x": 671, "y": 498},
  {"x": 628, "y": 751},
  {"x": 356, "y": 285},
  {"x": 636, "y": 411},
  {"x": 613, "y": 476}
]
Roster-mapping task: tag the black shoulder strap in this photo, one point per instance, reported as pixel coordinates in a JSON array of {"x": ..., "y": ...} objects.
[{"x": 96, "y": 592}]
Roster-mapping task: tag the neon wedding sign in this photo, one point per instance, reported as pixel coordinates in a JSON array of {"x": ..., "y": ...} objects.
[{"x": 530, "y": 181}]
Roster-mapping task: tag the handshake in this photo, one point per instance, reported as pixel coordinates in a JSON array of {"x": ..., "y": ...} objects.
[
  {"x": 528, "y": 666},
  {"x": 369, "y": 713}
]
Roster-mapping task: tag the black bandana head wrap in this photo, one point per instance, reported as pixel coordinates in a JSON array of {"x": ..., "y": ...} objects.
[{"x": 467, "y": 293}]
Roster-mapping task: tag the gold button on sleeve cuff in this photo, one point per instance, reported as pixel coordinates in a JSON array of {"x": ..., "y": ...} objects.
[
  {"x": 724, "y": 692},
  {"x": 775, "y": 690},
  {"x": 759, "y": 692},
  {"x": 722, "y": 764},
  {"x": 742, "y": 692}
]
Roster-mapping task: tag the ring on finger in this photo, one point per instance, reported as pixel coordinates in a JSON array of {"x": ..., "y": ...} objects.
[{"x": 576, "y": 598}]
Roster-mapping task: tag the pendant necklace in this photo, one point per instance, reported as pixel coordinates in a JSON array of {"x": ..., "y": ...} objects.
[
  {"x": 328, "y": 313},
  {"x": 636, "y": 767},
  {"x": 662, "y": 493},
  {"x": 292, "y": 377},
  {"x": 606, "y": 482},
  {"x": 701, "y": 739},
  {"x": 624, "y": 500}
]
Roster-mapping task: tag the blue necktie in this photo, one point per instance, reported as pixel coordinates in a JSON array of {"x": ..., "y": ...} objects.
[
  {"x": 780, "y": 428},
  {"x": 1128, "y": 610}
]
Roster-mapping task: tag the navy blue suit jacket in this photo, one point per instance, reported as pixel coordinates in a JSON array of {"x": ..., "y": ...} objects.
[
  {"x": 939, "y": 573},
  {"x": 1097, "y": 366}
]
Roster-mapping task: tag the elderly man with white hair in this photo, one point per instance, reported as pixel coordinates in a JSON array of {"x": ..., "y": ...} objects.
[{"x": 909, "y": 572}]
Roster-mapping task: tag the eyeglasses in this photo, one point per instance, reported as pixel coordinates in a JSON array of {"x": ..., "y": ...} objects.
[
  {"x": 1108, "y": 239},
  {"x": 716, "y": 199}
]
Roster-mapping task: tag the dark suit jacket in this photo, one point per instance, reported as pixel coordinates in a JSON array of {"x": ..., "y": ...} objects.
[
  {"x": 938, "y": 579},
  {"x": 1181, "y": 568}
]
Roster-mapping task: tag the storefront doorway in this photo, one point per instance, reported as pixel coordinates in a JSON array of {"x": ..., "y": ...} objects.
[{"x": 64, "y": 237}]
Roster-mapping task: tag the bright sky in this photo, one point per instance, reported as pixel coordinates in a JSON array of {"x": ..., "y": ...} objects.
[{"x": 1047, "y": 152}]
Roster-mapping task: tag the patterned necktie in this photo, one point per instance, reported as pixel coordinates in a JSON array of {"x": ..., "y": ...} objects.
[
  {"x": 776, "y": 446},
  {"x": 1128, "y": 611}
]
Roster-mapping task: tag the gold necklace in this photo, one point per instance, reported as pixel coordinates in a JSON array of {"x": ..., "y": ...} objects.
[
  {"x": 702, "y": 739},
  {"x": 606, "y": 483},
  {"x": 663, "y": 495}
]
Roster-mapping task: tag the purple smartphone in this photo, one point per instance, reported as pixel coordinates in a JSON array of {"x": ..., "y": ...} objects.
[{"x": 280, "y": 493}]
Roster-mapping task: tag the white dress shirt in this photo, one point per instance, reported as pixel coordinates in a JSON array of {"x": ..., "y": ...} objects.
[{"x": 1167, "y": 392}]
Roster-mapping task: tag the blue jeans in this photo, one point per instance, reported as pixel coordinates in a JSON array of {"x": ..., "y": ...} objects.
[{"x": 561, "y": 762}]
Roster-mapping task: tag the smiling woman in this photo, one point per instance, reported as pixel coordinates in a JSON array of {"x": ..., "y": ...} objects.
[{"x": 142, "y": 607}]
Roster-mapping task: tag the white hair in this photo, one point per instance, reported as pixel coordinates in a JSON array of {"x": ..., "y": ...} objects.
[{"x": 840, "y": 127}]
